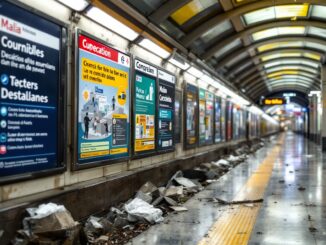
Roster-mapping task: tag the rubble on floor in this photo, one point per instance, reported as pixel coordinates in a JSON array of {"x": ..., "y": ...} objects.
[{"x": 53, "y": 224}]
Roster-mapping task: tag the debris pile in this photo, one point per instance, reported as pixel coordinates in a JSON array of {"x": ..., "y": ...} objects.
[
  {"x": 48, "y": 224},
  {"x": 52, "y": 224}
]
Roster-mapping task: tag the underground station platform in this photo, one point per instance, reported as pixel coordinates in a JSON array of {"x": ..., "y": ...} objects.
[{"x": 162, "y": 122}]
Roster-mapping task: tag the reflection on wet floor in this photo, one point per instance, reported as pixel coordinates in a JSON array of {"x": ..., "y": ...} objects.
[
  {"x": 294, "y": 210},
  {"x": 288, "y": 215}
]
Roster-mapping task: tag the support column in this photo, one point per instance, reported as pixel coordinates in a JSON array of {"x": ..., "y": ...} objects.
[{"x": 323, "y": 103}]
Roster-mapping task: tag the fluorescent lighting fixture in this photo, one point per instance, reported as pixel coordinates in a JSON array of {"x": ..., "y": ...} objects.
[
  {"x": 278, "y": 31},
  {"x": 111, "y": 23},
  {"x": 318, "y": 11},
  {"x": 216, "y": 31},
  {"x": 154, "y": 48},
  {"x": 276, "y": 12},
  {"x": 77, "y": 5},
  {"x": 179, "y": 62},
  {"x": 318, "y": 93},
  {"x": 210, "y": 81},
  {"x": 195, "y": 72}
]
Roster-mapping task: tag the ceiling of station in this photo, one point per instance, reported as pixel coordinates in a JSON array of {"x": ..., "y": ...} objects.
[{"x": 261, "y": 46}]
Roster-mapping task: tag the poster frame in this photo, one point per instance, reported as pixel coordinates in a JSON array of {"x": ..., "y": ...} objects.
[
  {"x": 153, "y": 152},
  {"x": 62, "y": 103},
  {"x": 178, "y": 139},
  {"x": 217, "y": 99},
  {"x": 97, "y": 163},
  {"x": 185, "y": 145},
  {"x": 172, "y": 149}
]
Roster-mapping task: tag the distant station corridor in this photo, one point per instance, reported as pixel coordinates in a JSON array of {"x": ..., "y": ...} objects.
[{"x": 292, "y": 212}]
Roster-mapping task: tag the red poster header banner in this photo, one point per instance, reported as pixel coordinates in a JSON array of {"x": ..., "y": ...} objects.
[{"x": 97, "y": 48}]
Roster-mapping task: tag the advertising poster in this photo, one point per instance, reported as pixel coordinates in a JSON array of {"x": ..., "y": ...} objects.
[
  {"x": 202, "y": 116},
  {"x": 103, "y": 102},
  {"x": 217, "y": 119},
  {"x": 229, "y": 112},
  {"x": 236, "y": 122},
  {"x": 223, "y": 120},
  {"x": 30, "y": 82},
  {"x": 191, "y": 114},
  {"x": 177, "y": 116},
  {"x": 209, "y": 118},
  {"x": 144, "y": 107},
  {"x": 166, "y": 97}
]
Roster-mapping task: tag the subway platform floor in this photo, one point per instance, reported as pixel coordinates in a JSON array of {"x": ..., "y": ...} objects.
[{"x": 287, "y": 174}]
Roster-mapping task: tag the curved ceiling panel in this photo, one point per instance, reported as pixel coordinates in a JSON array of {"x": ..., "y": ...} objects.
[{"x": 258, "y": 45}]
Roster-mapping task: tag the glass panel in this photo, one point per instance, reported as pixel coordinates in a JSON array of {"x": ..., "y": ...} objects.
[
  {"x": 191, "y": 9},
  {"x": 277, "y": 12},
  {"x": 316, "y": 46},
  {"x": 318, "y": 11},
  {"x": 293, "y": 67},
  {"x": 236, "y": 59},
  {"x": 227, "y": 48},
  {"x": 259, "y": 15},
  {"x": 312, "y": 56},
  {"x": 320, "y": 32},
  {"x": 216, "y": 31},
  {"x": 278, "y": 31},
  {"x": 279, "y": 55},
  {"x": 290, "y": 11},
  {"x": 279, "y": 45},
  {"x": 291, "y": 62}
]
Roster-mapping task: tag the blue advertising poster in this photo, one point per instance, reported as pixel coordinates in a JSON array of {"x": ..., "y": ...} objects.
[
  {"x": 103, "y": 102},
  {"x": 30, "y": 76},
  {"x": 166, "y": 98}
]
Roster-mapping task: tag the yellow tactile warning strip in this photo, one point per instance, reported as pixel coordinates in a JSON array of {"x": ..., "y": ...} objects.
[{"x": 235, "y": 225}]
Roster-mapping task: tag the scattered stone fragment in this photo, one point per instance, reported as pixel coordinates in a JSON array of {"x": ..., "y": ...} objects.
[
  {"x": 178, "y": 208},
  {"x": 312, "y": 229},
  {"x": 259, "y": 233},
  {"x": 301, "y": 188},
  {"x": 281, "y": 181},
  {"x": 185, "y": 182}
]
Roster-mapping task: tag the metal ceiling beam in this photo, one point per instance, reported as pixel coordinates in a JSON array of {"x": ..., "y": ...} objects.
[
  {"x": 276, "y": 51},
  {"x": 240, "y": 35},
  {"x": 235, "y": 54},
  {"x": 164, "y": 11},
  {"x": 211, "y": 23}
]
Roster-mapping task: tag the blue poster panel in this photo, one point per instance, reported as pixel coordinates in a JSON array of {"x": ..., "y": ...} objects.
[
  {"x": 103, "y": 102},
  {"x": 166, "y": 98},
  {"x": 30, "y": 82}
]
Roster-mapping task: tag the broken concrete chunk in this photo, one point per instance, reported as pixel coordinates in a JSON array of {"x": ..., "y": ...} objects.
[
  {"x": 178, "y": 208},
  {"x": 176, "y": 175},
  {"x": 148, "y": 187},
  {"x": 185, "y": 182},
  {"x": 170, "y": 201},
  {"x": 141, "y": 210},
  {"x": 174, "y": 191},
  {"x": 121, "y": 221},
  {"x": 147, "y": 197}
]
